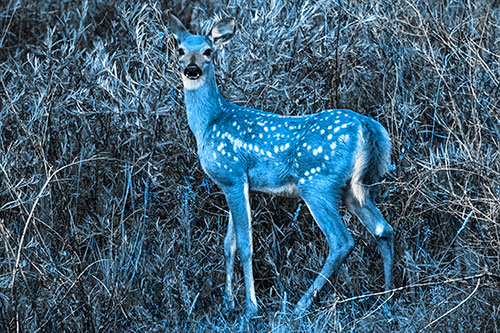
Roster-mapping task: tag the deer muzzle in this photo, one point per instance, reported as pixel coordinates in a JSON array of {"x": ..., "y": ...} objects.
[{"x": 192, "y": 72}]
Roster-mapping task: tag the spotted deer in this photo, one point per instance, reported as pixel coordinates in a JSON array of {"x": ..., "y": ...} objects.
[{"x": 323, "y": 158}]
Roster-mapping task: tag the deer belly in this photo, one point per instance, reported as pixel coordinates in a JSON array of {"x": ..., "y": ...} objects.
[{"x": 272, "y": 181}]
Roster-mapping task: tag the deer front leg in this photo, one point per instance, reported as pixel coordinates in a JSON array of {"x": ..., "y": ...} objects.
[
  {"x": 229, "y": 254},
  {"x": 239, "y": 206}
]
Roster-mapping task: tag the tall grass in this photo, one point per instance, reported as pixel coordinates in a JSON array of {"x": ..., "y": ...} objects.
[{"x": 107, "y": 222}]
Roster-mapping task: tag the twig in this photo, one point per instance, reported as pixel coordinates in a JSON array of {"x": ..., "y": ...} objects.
[
  {"x": 411, "y": 286},
  {"x": 454, "y": 308},
  {"x": 55, "y": 306},
  {"x": 32, "y": 211},
  {"x": 392, "y": 291},
  {"x": 454, "y": 238}
]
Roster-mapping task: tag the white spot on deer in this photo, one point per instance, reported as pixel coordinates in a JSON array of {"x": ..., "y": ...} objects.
[
  {"x": 320, "y": 149},
  {"x": 326, "y": 157},
  {"x": 330, "y": 136},
  {"x": 237, "y": 144},
  {"x": 268, "y": 153},
  {"x": 276, "y": 149},
  {"x": 315, "y": 152},
  {"x": 344, "y": 125},
  {"x": 302, "y": 180},
  {"x": 344, "y": 138}
]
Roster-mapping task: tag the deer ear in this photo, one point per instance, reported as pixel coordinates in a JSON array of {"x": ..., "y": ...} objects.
[
  {"x": 223, "y": 31},
  {"x": 177, "y": 28}
]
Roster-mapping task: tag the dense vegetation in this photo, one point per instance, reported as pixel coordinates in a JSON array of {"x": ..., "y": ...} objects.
[{"x": 107, "y": 222}]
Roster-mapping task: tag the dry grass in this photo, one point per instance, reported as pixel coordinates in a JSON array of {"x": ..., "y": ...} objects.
[{"x": 107, "y": 222}]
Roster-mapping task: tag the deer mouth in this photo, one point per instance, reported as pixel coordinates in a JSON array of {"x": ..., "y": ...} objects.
[
  {"x": 192, "y": 72},
  {"x": 193, "y": 77}
]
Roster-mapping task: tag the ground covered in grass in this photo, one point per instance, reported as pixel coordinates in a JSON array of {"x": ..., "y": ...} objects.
[{"x": 107, "y": 222}]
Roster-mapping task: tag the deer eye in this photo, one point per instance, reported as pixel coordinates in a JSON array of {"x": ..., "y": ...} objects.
[
  {"x": 207, "y": 52},
  {"x": 181, "y": 52}
]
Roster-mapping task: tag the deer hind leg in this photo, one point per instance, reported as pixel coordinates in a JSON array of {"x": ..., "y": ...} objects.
[
  {"x": 370, "y": 216},
  {"x": 229, "y": 255},
  {"x": 238, "y": 200},
  {"x": 339, "y": 239}
]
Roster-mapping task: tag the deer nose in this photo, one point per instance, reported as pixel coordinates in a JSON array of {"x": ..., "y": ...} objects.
[{"x": 192, "y": 72}]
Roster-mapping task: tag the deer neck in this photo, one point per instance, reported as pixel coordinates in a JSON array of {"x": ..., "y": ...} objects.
[{"x": 203, "y": 103}]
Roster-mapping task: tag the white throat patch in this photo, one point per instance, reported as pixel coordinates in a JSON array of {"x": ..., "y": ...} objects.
[{"x": 192, "y": 84}]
